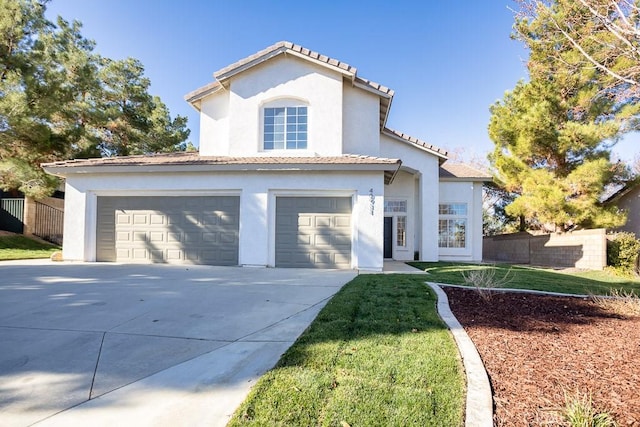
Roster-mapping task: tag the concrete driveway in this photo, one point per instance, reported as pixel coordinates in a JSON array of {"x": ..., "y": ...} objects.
[{"x": 107, "y": 344}]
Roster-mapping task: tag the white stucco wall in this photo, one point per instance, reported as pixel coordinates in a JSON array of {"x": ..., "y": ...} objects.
[
  {"x": 235, "y": 115},
  {"x": 471, "y": 194},
  {"x": 360, "y": 122},
  {"x": 214, "y": 125},
  {"x": 257, "y": 206},
  {"x": 426, "y": 167}
]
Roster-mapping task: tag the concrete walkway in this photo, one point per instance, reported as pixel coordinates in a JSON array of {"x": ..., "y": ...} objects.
[{"x": 146, "y": 345}]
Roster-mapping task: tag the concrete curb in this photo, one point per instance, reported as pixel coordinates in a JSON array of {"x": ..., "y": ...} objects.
[{"x": 479, "y": 405}]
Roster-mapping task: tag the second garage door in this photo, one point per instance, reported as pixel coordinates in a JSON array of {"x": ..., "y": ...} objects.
[
  {"x": 180, "y": 230},
  {"x": 313, "y": 232}
]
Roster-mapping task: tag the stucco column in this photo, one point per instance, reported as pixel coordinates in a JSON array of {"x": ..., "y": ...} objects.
[
  {"x": 254, "y": 228},
  {"x": 429, "y": 197},
  {"x": 369, "y": 218}
]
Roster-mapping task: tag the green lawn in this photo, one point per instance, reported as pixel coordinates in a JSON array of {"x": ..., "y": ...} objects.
[
  {"x": 18, "y": 246},
  {"x": 594, "y": 282},
  {"x": 377, "y": 354}
]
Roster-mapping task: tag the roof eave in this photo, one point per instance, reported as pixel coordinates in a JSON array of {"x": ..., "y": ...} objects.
[
  {"x": 65, "y": 171},
  {"x": 466, "y": 179},
  {"x": 441, "y": 157},
  {"x": 197, "y": 95}
]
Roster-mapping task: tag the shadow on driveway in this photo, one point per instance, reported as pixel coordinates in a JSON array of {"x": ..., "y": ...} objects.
[{"x": 100, "y": 344}]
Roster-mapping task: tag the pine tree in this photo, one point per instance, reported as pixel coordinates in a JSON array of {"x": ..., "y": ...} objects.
[
  {"x": 553, "y": 153},
  {"x": 60, "y": 100}
]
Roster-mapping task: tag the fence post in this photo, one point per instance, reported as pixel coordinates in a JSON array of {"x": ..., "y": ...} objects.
[{"x": 29, "y": 216}]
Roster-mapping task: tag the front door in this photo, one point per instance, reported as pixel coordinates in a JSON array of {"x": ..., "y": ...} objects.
[{"x": 388, "y": 237}]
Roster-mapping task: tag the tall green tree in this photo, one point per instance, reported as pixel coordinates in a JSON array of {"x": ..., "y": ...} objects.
[
  {"x": 552, "y": 153},
  {"x": 596, "y": 40},
  {"x": 60, "y": 100}
]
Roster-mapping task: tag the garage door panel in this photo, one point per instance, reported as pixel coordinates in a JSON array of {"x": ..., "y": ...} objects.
[
  {"x": 313, "y": 232},
  {"x": 157, "y": 219},
  {"x": 341, "y": 241},
  {"x": 342, "y": 222},
  {"x": 156, "y": 236},
  {"x": 322, "y": 221},
  {"x": 304, "y": 221},
  {"x": 200, "y": 230},
  {"x": 122, "y": 218}
]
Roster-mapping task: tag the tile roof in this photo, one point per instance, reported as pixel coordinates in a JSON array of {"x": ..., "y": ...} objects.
[
  {"x": 439, "y": 151},
  {"x": 283, "y": 47},
  {"x": 193, "y": 158},
  {"x": 276, "y": 49},
  {"x": 195, "y": 162},
  {"x": 463, "y": 172}
]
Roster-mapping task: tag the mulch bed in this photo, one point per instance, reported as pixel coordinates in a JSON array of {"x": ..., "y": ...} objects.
[{"x": 537, "y": 349}]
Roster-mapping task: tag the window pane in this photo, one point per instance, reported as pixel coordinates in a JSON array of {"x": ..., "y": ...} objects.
[
  {"x": 391, "y": 206},
  {"x": 453, "y": 209},
  {"x": 452, "y": 233},
  {"x": 285, "y": 128},
  {"x": 401, "y": 231}
]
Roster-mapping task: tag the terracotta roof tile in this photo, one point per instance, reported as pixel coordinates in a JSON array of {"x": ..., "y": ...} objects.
[
  {"x": 416, "y": 141},
  {"x": 196, "y": 159},
  {"x": 277, "y": 49},
  {"x": 462, "y": 171}
]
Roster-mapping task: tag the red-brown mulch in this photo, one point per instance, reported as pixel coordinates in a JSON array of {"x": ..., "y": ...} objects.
[{"x": 538, "y": 348}]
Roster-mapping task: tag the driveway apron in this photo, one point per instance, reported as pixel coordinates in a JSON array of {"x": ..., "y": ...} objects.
[{"x": 108, "y": 344}]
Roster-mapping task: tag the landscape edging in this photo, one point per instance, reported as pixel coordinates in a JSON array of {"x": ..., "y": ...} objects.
[{"x": 479, "y": 401}]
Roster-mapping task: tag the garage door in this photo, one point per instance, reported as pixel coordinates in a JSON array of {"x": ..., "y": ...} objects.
[
  {"x": 179, "y": 230},
  {"x": 313, "y": 232}
]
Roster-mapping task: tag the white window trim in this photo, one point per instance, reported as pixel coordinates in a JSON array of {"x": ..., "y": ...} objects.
[
  {"x": 395, "y": 249},
  {"x": 467, "y": 231}
]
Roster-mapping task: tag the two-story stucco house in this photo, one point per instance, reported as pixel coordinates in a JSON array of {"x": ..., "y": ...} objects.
[{"x": 297, "y": 168}]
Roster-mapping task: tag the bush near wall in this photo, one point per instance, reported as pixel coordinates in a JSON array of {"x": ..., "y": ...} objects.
[{"x": 622, "y": 253}]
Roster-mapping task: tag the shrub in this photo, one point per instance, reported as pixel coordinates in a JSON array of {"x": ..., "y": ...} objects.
[
  {"x": 622, "y": 253},
  {"x": 579, "y": 411},
  {"x": 485, "y": 280},
  {"x": 621, "y": 302}
]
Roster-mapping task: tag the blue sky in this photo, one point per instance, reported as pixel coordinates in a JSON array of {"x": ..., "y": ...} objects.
[{"x": 446, "y": 61}]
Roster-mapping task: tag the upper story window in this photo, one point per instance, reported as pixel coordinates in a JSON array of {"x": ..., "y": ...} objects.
[{"x": 285, "y": 128}]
